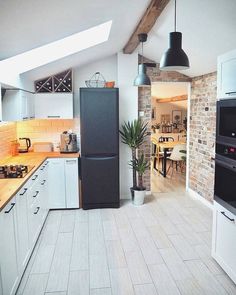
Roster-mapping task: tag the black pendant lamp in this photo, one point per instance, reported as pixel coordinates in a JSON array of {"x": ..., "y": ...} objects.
[
  {"x": 174, "y": 59},
  {"x": 142, "y": 80}
]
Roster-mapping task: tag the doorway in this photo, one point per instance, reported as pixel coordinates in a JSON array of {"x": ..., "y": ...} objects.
[{"x": 169, "y": 122}]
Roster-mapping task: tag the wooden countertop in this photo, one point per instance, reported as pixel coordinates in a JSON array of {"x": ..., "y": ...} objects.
[{"x": 10, "y": 186}]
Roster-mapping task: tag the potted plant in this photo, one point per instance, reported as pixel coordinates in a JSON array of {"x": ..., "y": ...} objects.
[
  {"x": 133, "y": 134},
  {"x": 140, "y": 165}
]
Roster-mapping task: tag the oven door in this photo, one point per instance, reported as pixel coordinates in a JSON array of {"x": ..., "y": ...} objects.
[
  {"x": 226, "y": 122},
  {"x": 225, "y": 183}
]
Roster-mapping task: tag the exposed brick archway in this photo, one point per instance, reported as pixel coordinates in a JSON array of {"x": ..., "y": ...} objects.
[{"x": 144, "y": 105}]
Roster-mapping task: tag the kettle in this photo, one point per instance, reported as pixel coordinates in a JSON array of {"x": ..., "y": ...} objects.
[{"x": 25, "y": 144}]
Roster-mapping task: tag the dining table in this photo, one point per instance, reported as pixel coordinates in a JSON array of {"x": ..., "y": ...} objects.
[{"x": 166, "y": 146}]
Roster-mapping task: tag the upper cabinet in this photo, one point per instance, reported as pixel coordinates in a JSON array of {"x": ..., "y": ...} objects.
[
  {"x": 54, "y": 105},
  {"x": 226, "y": 75},
  {"x": 17, "y": 105}
]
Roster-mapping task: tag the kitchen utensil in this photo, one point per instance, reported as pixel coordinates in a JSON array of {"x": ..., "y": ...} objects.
[{"x": 25, "y": 144}]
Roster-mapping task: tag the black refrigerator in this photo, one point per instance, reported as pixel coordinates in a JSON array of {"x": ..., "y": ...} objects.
[{"x": 99, "y": 165}]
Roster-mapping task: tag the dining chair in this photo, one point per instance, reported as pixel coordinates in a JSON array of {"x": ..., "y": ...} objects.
[
  {"x": 157, "y": 155},
  {"x": 176, "y": 157}
]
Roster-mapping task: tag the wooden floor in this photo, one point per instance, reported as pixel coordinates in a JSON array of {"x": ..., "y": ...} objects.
[
  {"x": 174, "y": 183},
  {"x": 162, "y": 247}
]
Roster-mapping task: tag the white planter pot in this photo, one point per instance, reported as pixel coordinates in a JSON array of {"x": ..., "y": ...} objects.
[{"x": 139, "y": 197}]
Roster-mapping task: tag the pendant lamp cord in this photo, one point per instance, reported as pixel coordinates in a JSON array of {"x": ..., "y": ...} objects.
[
  {"x": 142, "y": 52},
  {"x": 175, "y": 15}
]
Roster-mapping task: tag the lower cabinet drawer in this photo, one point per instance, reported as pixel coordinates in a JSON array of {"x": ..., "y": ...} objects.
[{"x": 224, "y": 240}]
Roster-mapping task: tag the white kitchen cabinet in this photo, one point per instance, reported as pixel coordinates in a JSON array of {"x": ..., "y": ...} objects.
[
  {"x": 21, "y": 229},
  {"x": 63, "y": 183},
  {"x": 34, "y": 214},
  {"x": 8, "y": 258},
  {"x": 71, "y": 183},
  {"x": 43, "y": 187},
  {"x": 56, "y": 187},
  {"x": 224, "y": 239},
  {"x": 1, "y": 293},
  {"x": 21, "y": 102},
  {"x": 226, "y": 75},
  {"x": 54, "y": 105}
]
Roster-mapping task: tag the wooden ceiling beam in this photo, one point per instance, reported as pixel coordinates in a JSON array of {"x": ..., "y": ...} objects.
[
  {"x": 146, "y": 23},
  {"x": 171, "y": 99}
]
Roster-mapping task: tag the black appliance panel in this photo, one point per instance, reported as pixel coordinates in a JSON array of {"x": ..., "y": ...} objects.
[
  {"x": 99, "y": 112},
  {"x": 226, "y": 121},
  {"x": 226, "y": 151},
  {"x": 225, "y": 183},
  {"x": 100, "y": 182}
]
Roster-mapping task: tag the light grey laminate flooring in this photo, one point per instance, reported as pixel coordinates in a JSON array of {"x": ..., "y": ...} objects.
[{"x": 162, "y": 247}]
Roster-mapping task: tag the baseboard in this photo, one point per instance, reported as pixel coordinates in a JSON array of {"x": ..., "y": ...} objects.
[{"x": 198, "y": 197}]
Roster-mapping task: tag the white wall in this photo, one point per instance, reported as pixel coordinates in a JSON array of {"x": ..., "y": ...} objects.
[
  {"x": 122, "y": 69},
  {"x": 107, "y": 67},
  {"x": 127, "y": 71},
  {"x": 167, "y": 108}
]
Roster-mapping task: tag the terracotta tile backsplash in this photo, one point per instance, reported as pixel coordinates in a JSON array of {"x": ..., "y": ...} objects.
[
  {"x": 46, "y": 130},
  {"x": 7, "y": 134}
]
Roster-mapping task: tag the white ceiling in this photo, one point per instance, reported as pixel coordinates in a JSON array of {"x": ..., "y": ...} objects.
[
  {"x": 208, "y": 28},
  {"x": 27, "y": 24},
  {"x": 168, "y": 89}
]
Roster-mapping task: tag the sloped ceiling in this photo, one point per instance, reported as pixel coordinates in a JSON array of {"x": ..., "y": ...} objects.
[{"x": 208, "y": 28}]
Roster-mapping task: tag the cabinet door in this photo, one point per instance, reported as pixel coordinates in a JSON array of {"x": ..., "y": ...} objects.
[
  {"x": 224, "y": 239},
  {"x": 72, "y": 183},
  {"x": 54, "y": 105},
  {"x": 8, "y": 259},
  {"x": 56, "y": 184},
  {"x": 34, "y": 213},
  {"x": 226, "y": 75},
  {"x": 21, "y": 228},
  {"x": 11, "y": 101},
  {"x": 44, "y": 190},
  {"x": 1, "y": 293}
]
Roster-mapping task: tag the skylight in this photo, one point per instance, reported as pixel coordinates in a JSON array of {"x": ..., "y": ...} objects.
[{"x": 56, "y": 50}]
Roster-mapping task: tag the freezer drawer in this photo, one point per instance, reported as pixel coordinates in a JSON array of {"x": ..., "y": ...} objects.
[{"x": 100, "y": 182}]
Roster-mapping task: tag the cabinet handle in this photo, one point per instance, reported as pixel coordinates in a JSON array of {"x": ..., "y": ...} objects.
[
  {"x": 223, "y": 213},
  {"x": 34, "y": 177},
  {"x": 37, "y": 210},
  {"x": 12, "y": 205},
  {"x": 54, "y": 116},
  {"x": 231, "y": 92},
  {"x": 34, "y": 196},
  {"x": 25, "y": 118},
  {"x": 25, "y": 190},
  {"x": 71, "y": 161},
  {"x": 43, "y": 182},
  {"x": 42, "y": 168}
]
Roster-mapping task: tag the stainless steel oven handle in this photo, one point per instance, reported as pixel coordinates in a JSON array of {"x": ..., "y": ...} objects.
[
  {"x": 226, "y": 165},
  {"x": 223, "y": 213}
]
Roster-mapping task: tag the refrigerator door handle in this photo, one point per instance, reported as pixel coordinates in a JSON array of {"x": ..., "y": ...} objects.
[{"x": 100, "y": 158}]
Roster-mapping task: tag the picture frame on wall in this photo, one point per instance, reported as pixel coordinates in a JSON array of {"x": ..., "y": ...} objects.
[
  {"x": 154, "y": 113},
  {"x": 177, "y": 116}
]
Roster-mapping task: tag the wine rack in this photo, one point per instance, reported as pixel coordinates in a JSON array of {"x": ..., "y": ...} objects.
[{"x": 61, "y": 82}]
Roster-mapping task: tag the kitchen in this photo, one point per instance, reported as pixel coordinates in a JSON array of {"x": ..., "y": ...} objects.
[{"x": 112, "y": 251}]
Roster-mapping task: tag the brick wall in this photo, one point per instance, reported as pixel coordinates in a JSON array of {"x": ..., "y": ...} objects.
[
  {"x": 144, "y": 104},
  {"x": 7, "y": 134},
  {"x": 202, "y": 134}
]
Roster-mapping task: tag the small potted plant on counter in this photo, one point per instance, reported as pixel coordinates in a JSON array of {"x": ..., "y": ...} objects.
[
  {"x": 133, "y": 134},
  {"x": 140, "y": 165}
]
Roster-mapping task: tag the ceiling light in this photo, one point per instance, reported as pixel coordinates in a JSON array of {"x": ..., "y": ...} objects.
[
  {"x": 142, "y": 79},
  {"x": 174, "y": 59}
]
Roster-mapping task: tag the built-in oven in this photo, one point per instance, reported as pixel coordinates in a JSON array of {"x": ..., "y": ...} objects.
[
  {"x": 225, "y": 177},
  {"x": 226, "y": 122}
]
